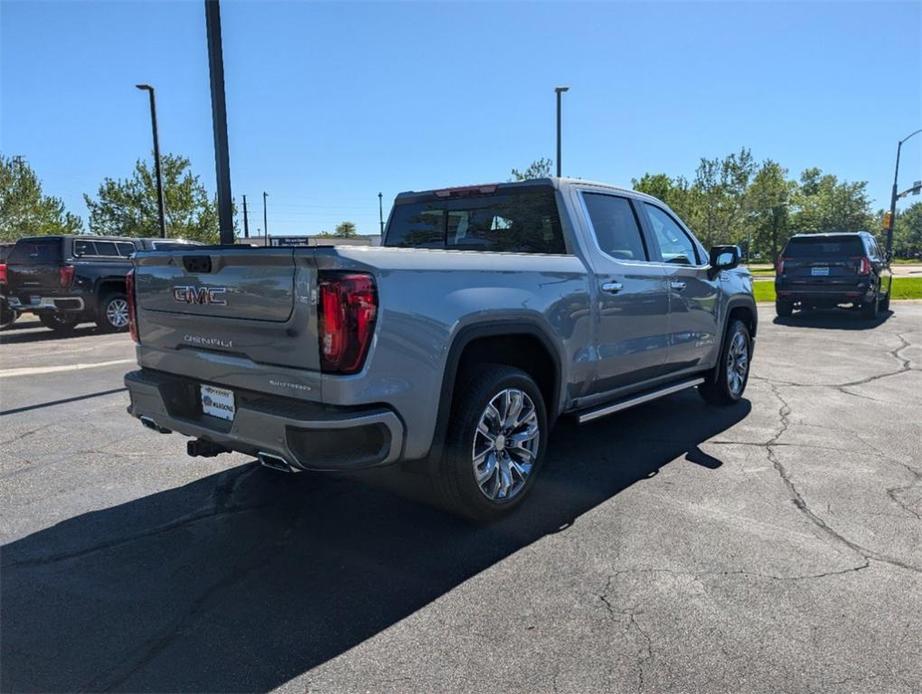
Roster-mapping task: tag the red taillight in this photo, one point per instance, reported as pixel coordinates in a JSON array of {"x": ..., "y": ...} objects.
[
  {"x": 132, "y": 311},
  {"x": 779, "y": 266},
  {"x": 864, "y": 266},
  {"x": 348, "y": 309},
  {"x": 66, "y": 275},
  {"x": 2, "y": 272}
]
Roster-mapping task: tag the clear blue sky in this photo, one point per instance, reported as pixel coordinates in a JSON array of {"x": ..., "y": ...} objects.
[{"x": 330, "y": 103}]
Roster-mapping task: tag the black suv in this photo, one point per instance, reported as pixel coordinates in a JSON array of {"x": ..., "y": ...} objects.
[
  {"x": 66, "y": 280},
  {"x": 825, "y": 270}
]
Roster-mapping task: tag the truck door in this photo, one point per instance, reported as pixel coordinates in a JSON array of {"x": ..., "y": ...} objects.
[
  {"x": 631, "y": 294},
  {"x": 694, "y": 335}
]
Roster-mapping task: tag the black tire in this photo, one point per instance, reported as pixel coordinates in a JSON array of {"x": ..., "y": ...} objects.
[
  {"x": 112, "y": 315},
  {"x": 454, "y": 473},
  {"x": 784, "y": 309},
  {"x": 61, "y": 323},
  {"x": 718, "y": 389},
  {"x": 7, "y": 315}
]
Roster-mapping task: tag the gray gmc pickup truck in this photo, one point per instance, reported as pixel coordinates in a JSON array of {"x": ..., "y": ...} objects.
[{"x": 489, "y": 312}]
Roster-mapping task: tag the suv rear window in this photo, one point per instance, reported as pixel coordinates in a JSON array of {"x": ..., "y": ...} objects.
[
  {"x": 36, "y": 252},
  {"x": 824, "y": 247},
  {"x": 513, "y": 222}
]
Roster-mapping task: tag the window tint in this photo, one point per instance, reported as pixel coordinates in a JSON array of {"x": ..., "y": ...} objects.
[
  {"x": 824, "y": 247},
  {"x": 106, "y": 248},
  {"x": 674, "y": 244},
  {"x": 36, "y": 252},
  {"x": 84, "y": 248},
  {"x": 125, "y": 249},
  {"x": 615, "y": 226},
  {"x": 517, "y": 222}
]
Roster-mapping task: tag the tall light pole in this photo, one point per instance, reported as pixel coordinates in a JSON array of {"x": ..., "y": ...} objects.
[
  {"x": 246, "y": 219},
  {"x": 265, "y": 218},
  {"x": 161, "y": 212},
  {"x": 559, "y": 91},
  {"x": 219, "y": 121},
  {"x": 894, "y": 194},
  {"x": 381, "y": 212}
]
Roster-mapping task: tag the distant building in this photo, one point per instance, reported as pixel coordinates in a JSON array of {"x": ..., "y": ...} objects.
[{"x": 313, "y": 240}]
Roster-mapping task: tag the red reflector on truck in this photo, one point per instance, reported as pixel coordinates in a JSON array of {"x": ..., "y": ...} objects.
[
  {"x": 348, "y": 310},
  {"x": 132, "y": 310},
  {"x": 66, "y": 275}
]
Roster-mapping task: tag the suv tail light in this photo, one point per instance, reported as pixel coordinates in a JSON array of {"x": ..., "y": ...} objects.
[
  {"x": 132, "y": 310},
  {"x": 864, "y": 266},
  {"x": 66, "y": 275},
  {"x": 779, "y": 266},
  {"x": 348, "y": 310}
]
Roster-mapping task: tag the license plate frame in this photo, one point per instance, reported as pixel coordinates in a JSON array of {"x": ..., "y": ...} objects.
[
  {"x": 218, "y": 402},
  {"x": 819, "y": 271}
]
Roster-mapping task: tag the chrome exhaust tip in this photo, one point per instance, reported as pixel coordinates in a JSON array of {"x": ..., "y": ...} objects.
[
  {"x": 153, "y": 426},
  {"x": 275, "y": 462}
]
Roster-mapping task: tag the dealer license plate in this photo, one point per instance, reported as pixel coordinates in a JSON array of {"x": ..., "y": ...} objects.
[
  {"x": 819, "y": 271},
  {"x": 218, "y": 402}
]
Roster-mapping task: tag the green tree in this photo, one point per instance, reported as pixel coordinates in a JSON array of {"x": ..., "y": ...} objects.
[
  {"x": 345, "y": 230},
  {"x": 540, "y": 168},
  {"x": 129, "y": 207},
  {"x": 907, "y": 232},
  {"x": 768, "y": 200},
  {"x": 823, "y": 204},
  {"x": 25, "y": 210}
]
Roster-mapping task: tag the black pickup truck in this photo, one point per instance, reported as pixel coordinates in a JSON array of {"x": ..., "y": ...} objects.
[{"x": 67, "y": 280}]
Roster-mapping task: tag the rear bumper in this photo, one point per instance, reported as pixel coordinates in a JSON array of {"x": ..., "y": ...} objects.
[
  {"x": 69, "y": 304},
  {"x": 829, "y": 293},
  {"x": 308, "y": 436}
]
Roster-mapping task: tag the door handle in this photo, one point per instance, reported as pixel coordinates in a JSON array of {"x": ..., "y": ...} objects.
[
  {"x": 677, "y": 285},
  {"x": 612, "y": 287}
]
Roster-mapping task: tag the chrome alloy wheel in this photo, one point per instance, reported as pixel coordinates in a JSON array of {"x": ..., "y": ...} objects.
[
  {"x": 506, "y": 444},
  {"x": 737, "y": 363},
  {"x": 117, "y": 313}
]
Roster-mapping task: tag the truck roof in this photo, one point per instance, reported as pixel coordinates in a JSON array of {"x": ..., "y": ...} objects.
[{"x": 489, "y": 188}]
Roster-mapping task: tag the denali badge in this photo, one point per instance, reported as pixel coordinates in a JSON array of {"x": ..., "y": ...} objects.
[{"x": 200, "y": 295}]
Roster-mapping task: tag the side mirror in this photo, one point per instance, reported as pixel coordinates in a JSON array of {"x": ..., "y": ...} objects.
[{"x": 724, "y": 258}]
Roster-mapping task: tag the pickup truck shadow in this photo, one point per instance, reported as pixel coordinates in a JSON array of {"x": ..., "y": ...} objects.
[
  {"x": 243, "y": 580},
  {"x": 833, "y": 319}
]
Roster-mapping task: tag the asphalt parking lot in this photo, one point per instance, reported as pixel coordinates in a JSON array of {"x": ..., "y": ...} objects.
[{"x": 773, "y": 546}]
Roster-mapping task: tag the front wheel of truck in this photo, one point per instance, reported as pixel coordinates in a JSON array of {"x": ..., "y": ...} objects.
[{"x": 495, "y": 443}]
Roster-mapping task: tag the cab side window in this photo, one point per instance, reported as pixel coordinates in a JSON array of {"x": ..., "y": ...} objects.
[
  {"x": 675, "y": 245},
  {"x": 615, "y": 226}
]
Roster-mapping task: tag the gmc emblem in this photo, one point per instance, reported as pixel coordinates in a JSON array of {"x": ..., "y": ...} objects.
[{"x": 213, "y": 296}]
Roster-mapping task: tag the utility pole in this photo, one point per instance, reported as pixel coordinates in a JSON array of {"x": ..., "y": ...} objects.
[
  {"x": 559, "y": 91},
  {"x": 246, "y": 219},
  {"x": 381, "y": 212},
  {"x": 161, "y": 212},
  {"x": 265, "y": 218},
  {"x": 894, "y": 194},
  {"x": 219, "y": 121}
]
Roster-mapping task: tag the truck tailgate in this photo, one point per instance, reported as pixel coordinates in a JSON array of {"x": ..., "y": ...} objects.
[{"x": 255, "y": 303}]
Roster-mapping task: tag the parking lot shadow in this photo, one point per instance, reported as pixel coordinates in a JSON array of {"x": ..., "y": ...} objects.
[
  {"x": 833, "y": 319},
  {"x": 243, "y": 580},
  {"x": 36, "y": 332}
]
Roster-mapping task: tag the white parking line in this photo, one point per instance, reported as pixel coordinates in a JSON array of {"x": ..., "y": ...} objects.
[{"x": 38, "y": 370}]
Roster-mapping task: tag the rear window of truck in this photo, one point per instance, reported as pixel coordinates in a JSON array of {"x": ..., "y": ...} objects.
[
  {"x": 36, "y": 252},
  {"x": 824, "y": 247},
  {"x": 512, "y": 222}
]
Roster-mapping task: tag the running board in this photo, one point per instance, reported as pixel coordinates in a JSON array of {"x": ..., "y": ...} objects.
[{"x": 636, "y": 400}]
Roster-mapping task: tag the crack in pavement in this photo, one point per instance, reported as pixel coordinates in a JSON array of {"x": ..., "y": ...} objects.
[
  {"x": 798, "y": 499},
  {"x": 646, "y": 653}
]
